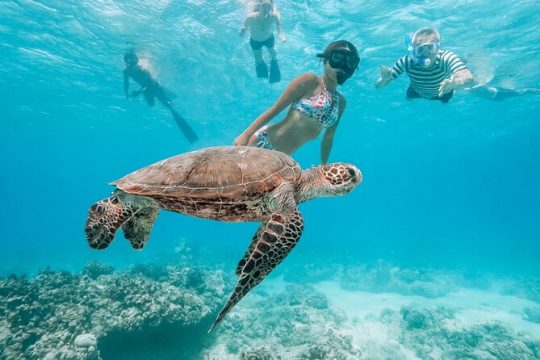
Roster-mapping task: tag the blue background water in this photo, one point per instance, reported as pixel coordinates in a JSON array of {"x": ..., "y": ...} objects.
[{"x": 451, "y": 186}]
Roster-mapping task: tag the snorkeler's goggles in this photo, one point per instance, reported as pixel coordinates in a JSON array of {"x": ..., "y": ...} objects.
[
  {"x": 342, "y": 59},
  {"x": 421, "y": 50},
  {"x": 426, "y": 49}
]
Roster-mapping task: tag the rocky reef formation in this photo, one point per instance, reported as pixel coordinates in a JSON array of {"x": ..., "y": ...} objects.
[
  {"x": 435, "y": 333},
  {"x": 58, "y": 315},
  {"x": 294, "y": 323},
  {"x": 164, "y": 312}
]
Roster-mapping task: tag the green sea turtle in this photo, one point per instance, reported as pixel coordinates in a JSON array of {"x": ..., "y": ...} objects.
[{"x": 228, "y": 184}]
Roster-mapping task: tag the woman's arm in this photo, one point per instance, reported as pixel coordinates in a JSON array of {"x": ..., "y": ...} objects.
[
  {"x": 296, "y": 89},
  {"x": 328, "y": 137}
]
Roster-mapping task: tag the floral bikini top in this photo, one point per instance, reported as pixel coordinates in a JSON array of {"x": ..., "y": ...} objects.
[{"x": 323, "y": 107}]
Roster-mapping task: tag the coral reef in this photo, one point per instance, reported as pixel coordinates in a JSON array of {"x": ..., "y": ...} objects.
[
  {"x": 528, "y": 288},
  {"x": 59, "y": 315},
  {"x": 295, "y": 323},
  {"x": 383, "y": 277},
  {"x": 155, "y": 311},
  {"x": 435, "y": 332}
]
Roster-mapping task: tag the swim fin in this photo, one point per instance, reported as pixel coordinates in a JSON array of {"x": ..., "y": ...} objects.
[
  {"x": 184, "y": 127},
  {"x": 261, "y": 69},
  {"x": 275, "y": 74}
]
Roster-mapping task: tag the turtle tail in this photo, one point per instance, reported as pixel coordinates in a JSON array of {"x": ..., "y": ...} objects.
[{"x": 104, "y": 219}]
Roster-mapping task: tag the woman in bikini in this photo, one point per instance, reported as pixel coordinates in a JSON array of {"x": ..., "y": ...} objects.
[{"x": 315, "y": 104}]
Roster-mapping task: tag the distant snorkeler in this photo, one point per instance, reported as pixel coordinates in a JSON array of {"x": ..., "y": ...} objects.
[
  {"x": 315, "y": 105},
  {"x": 489, "y": 92},
  {"x": 434, "y": 73},
  {"x": 260, "y": 23},
  {"x": 152, "y": 89}
]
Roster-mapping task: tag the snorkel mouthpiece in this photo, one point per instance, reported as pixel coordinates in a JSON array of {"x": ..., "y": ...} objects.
[
  {"x": 342, "y": 77},
  {"x": 423, "y": 61}
]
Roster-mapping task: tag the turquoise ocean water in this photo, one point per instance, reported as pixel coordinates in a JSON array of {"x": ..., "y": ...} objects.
[{"x": 449, "y": 209}]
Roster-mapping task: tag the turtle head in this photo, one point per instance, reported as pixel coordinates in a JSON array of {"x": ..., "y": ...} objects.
[{"x": 329, "y": 180}]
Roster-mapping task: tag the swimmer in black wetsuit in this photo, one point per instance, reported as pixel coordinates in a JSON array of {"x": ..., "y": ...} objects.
[{"x": 152, "y": 90}]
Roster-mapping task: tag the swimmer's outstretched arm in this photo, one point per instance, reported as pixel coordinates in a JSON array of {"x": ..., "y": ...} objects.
[
  {"x": 387, "y": 75},
  {"x": 459, "y": 80},
  {"x": 247, "y": 24}
]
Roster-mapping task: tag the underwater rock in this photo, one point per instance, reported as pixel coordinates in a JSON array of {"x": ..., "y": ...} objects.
[
  {"x": 432, "y": 333},
  {"x": 58, "y": 315},
  {"x": 414, "y": 318},
  {"x": 510, "y": 350},
  {"x": 331, "y": 345},
  {"x": 95, "y": 269},
  {"x": 524, "y": 288},
  {"x": 85, "y": 341},
  {"x": 258, "y": 354}
]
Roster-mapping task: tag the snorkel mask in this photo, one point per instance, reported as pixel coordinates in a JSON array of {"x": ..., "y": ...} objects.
[
  {"x": 421, "y": 53},
  {"x": 341, "y": 55},
  {"x": 264, "y": 7}
]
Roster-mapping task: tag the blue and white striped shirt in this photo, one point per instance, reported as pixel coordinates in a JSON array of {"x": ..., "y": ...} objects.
[{"x": 426, "y": 81}]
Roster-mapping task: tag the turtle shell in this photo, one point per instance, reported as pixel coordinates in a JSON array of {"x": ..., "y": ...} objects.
[{"x": 229, "y": 173}]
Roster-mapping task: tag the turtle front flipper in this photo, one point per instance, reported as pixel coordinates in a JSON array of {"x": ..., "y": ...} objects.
[
  {"x": 275, "y": 240},
  {"x": 252, "y": 245},
  {"x": 104, "y": 218},
  {"x": 137, "y": 229}
]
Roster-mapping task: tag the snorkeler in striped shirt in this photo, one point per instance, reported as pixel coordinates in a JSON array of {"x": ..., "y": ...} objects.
[{"x": 435, "y": 74}]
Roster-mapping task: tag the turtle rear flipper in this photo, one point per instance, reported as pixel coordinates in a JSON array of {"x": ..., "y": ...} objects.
[
  {"x": 137, "y": 229},
  {"x": 104, "y": 219},
  {"x": 274, "y": 241}
]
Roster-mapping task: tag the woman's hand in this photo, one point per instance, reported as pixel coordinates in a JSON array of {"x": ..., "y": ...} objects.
[{"x": 241, "y": 140}]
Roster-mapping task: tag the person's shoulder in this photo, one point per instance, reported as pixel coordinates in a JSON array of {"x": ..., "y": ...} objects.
[
  {"x": 305, "y": 81},
  {"x": 308, "y": 78},
  {"x": 404, "y": 58},
  {"x": 447, "y": 54}
]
